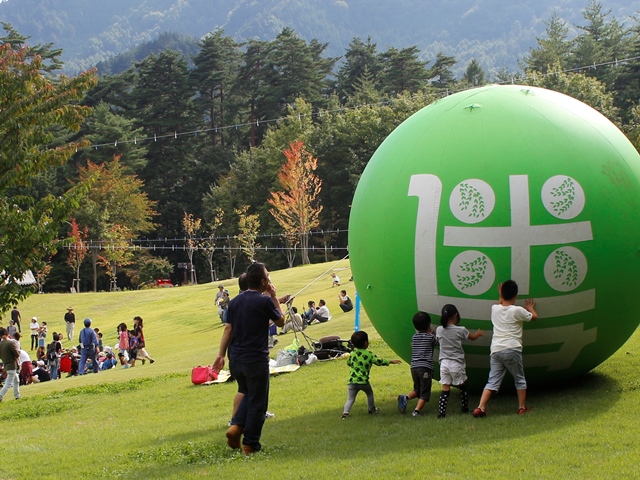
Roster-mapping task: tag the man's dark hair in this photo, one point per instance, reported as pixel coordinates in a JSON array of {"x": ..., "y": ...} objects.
[
  {"x": 358, "y": 339},
  {"x": 3, "y": 331},
  {"x": 421, "y": 321},
  {"x": 255, "y": 275},
  {"x": 509, "y": 290},
  {"x": 294, "y": 309},
  {"x": 242, "y": 282}
]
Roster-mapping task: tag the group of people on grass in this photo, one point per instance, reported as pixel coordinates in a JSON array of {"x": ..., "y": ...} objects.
[
  {"x": 314, "y": 314},
  {"x": 506, "y": 355},
  {"x": 295, "y": 321},
  {"x": 245, "y": 341},
  {"x": 132, "y": 344},
  {"x": 51, "y": 360}
]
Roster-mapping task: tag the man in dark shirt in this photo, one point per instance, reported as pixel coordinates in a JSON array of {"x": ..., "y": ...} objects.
[
  {"x": 15, "y": 316},
  {"x": 70, "y": 320},
  {"x": 246, "y": 337},
  {"x": 9, "y": 355}
]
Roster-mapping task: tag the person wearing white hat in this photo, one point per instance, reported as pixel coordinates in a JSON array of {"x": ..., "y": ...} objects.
[
  {"x": 35, "y": 330},
  {"x": 70, "y": 320},
  {"x": 218, "y": 300}
]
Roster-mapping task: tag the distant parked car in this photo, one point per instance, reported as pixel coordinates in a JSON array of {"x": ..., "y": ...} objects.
[{"x": 164, "y": 282}]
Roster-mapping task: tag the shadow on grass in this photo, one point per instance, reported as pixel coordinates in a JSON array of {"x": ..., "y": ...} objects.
[{"x": 328, "y": 438}]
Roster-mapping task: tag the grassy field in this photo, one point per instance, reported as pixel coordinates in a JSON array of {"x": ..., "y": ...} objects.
[{"x": 151, "y": 422}]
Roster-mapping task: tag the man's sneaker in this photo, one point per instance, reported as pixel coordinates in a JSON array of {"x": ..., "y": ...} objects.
[
  {"x": 344, "y": 415},
  {"x": 373, "y": 411},
  {"x": 151, "y": 361},
  {"x": 403, "y": 400},
  {"x": 479, "y": 413},
  {"x": 523, "y": 410},
  {"x": 269, "y": 415},
  {"x": 415, "y": 413}
]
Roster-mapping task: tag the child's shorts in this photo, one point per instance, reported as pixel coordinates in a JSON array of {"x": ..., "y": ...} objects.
[
  {"x": 503, "y": 361},
  {"x": 422, "y": 378},
  {"x": 452, "y": 372},
  {"x": 124, "y": 354}
]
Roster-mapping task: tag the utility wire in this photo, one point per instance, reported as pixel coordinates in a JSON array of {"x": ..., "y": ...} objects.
[{"x": 438, "y": 94}]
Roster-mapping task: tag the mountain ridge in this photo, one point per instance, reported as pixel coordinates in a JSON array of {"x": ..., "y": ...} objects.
[{"x": 497, "y": 35}]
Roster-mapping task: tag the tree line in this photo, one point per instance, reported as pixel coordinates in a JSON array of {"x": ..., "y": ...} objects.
[{"x": 204, "y": 147}]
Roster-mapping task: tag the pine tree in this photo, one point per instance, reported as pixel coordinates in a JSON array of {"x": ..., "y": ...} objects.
[
  {"x": 402, "y": 71},
  {"x": 552, "y": 50},
  {"x": 360, "y": 60},
  {"x": 215, "y": 77},
  {"x": 474, "y": 74}
]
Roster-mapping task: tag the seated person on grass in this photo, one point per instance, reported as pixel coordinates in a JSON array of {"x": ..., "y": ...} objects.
[
  {"x": 345, "y": 302},
  {"x": 321, "y": 314},
  {"x": 294, "y": 322}
]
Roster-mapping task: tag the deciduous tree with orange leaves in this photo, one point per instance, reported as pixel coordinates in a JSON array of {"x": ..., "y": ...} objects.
[
  {"x": 296, "y": 208},
  {"x": 77, "y": 250}
]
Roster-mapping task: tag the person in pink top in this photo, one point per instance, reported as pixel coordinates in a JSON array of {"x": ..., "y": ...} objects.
[{"x": 123, "y": 345}]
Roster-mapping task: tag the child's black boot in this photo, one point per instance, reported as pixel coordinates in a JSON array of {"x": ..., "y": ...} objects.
[{"x": 442, "y": 404}]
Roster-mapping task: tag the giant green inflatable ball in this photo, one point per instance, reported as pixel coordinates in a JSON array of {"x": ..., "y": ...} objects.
[{"x": 496, "y": 183}]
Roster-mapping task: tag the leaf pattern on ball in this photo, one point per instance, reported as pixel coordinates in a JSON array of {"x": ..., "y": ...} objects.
[
  {"x": 565, "y": 193},
  {"x": 566, "y": 267},
  {"x": 470, "y": 197},
  {"x": 476, "y": 270}
]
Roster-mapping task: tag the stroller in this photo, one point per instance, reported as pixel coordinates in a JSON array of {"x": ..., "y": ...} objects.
[{"x": 330, "y": 347}]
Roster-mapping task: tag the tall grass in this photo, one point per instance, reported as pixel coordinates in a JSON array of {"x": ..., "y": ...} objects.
[{"x": 151, "y": 422}]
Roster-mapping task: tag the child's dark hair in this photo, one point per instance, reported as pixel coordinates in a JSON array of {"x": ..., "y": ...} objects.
[
  {"x": 509, "y": 290},
  {"x": 421, "y": 321},
  {"x": 256, "y": 273},
  {"x": 359, "y": 339},
  {"x": 448, "y": 312}
]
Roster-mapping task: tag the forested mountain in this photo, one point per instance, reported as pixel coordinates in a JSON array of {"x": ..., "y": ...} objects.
[
  {"x": 210, "y": 143},
  {"x": 495, "y": 32}
]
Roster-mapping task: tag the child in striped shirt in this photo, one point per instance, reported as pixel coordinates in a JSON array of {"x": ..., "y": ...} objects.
[{"x": 422, "y": 345}]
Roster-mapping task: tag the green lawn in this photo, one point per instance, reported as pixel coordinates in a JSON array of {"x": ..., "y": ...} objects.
[{"x": 151, "y": 422}]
